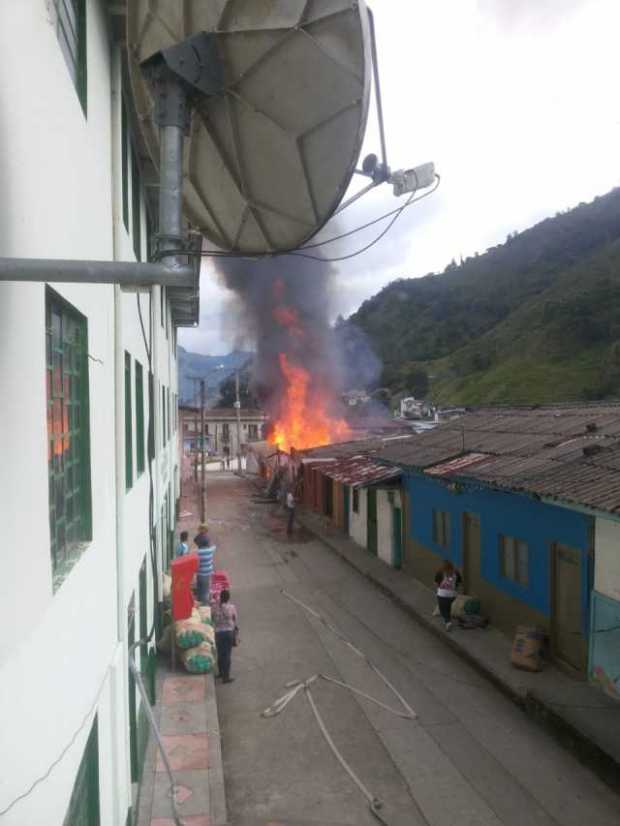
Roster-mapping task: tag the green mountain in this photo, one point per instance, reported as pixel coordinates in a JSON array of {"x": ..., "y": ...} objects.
[{"x": 536, "y": 319}]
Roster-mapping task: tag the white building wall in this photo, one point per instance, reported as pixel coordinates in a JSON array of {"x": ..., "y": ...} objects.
[
  {"x": 384, "y": 527},
  {"x": 607, "y": 558},
  {"x": 358, "y": 522},
  {"x": 63, "y": 655}
]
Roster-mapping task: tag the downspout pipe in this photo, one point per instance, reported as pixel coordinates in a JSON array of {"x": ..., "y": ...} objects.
[{"x": 123, "y": 273}]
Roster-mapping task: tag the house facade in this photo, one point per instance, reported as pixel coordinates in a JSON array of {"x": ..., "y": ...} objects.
[
  {"x": 605, "y": 617},
  {"x": 88, "y": 381},
  {"x": 221, "y": 435},
  {"x": 523, "y": 502}
]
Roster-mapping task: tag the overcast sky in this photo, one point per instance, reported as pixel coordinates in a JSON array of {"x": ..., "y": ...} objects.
[{"x": 516, "y": 103}]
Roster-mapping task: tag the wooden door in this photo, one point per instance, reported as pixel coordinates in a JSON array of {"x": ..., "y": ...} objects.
[
  {"x": 567, "y": 640},
  {"x": 471, "y": 552},
  {"x": 371, "y": 502},
  {"x": 397, "y": 538}
]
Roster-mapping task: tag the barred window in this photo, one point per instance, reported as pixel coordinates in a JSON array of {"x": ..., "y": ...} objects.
[
  {"x": 441, "y": 528},
  {"x": 139, "y": 418},
  {"x": 71, "y": 34},
  {"x": 514, "y": 559},
  {"x": 68, "y": 433}
]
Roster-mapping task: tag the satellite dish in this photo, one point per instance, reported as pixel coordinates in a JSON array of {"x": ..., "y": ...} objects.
[{"x": 269, "y": 155}]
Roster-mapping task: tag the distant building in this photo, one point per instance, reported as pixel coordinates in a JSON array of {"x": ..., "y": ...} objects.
[{"x": 221, "y": 429}]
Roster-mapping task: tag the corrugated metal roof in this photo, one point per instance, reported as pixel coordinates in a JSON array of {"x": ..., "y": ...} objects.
[
  {"x": 537, "y": 450},
  {"x": 359, "y": 471},
  {"x": 457, "y": 465}
]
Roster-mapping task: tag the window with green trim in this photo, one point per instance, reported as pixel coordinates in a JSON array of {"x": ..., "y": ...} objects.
[
  {"x": 151, "y": 433},
  {"x": 163, "y": 416},
  {"x": 162, "y": 306},
  {"x": 136, "y": 204},
  {"x": 139, "y": 418},
  {"x": 71, "y": 34},
  {"x": 128, "y": 425},
  {"x": 84, "y": 804},
  {"x": 68, "y": 433},
  {"x": 125, "y": 164}
]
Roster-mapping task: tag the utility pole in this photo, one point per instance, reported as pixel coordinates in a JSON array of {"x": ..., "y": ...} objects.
[
  {"x": 203, "y": 468},
  {"x": 238, "y": 410}
]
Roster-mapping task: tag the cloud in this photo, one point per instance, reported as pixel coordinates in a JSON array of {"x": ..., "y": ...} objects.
[{"x": 516, "y": 103}]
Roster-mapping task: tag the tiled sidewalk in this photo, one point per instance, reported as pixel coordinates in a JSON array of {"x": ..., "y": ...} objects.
[
  {"x": 186, "y": 711},
  {"x": 188, "y": 723}
]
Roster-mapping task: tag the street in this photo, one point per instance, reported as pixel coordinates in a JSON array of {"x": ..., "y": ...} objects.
[{"x": 471, "y": 758}]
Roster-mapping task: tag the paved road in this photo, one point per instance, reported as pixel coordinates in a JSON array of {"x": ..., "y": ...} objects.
[{"x": 471, "y": 759}]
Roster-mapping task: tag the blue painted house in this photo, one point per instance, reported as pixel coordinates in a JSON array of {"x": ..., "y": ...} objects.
[{"x": 512, "y": 497}]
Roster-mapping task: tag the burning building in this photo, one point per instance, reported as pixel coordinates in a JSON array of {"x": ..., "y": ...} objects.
[{"x": 298, "y": 375}]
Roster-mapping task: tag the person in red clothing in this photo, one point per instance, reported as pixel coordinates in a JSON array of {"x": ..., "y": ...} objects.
[{"x": 447, "y": 580}]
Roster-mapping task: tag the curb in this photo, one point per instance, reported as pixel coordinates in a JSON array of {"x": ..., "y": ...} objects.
[
  {"x": 586, "y": 750},
  {"x": 218, "y": 814}
]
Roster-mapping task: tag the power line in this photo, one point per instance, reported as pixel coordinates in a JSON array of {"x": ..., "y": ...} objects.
[{"x": 299, "y": 251}]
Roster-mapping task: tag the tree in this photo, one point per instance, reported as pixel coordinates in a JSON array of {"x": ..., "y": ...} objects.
[{"x": 228, "y": 392}]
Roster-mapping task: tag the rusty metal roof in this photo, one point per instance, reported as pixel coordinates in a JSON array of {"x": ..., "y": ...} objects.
[
  {"x": 358, "y": 447},
  {"x": 358, "y": 471},
  {"x": 544, "y": 450}
]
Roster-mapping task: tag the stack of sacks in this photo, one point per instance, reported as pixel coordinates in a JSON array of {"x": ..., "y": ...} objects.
[
  {"x": 199, "y": 659},
  {"x": 204, "y": 612},
  {"x": 197, "y": 638}
]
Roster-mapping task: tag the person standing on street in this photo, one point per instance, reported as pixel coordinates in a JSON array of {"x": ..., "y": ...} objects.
[
  {"x": 447, "y": 580},
  {"x": 290, "y": 507},
  {"x": 225, "y": 623},
  {"x": 206, "y": 552},
  {"x": 182, "y": 547}
]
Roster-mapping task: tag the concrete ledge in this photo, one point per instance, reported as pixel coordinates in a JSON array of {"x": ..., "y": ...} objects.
[
  {"x": 580, "y": 717},
  {"x": 218, "y": 815}
]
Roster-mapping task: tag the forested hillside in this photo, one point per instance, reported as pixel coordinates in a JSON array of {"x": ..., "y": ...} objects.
[{"x": 535, "y": 319}]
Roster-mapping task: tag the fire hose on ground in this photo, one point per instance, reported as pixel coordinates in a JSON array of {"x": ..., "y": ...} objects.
[{"x": 297, "y": 686}]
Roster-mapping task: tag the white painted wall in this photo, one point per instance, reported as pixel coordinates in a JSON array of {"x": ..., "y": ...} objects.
[
  {"x": 607, "y": 558},
  {"x": 384, "y": 527},
  {"x": 358, "y": 522},
  {"x": 63, "y": 656}
]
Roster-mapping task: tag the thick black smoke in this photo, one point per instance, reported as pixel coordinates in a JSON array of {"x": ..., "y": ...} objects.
[{"x": 285, "y": 304}]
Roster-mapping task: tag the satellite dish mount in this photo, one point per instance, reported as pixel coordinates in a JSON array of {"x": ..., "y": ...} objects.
[{"x": 179, "y": 76}]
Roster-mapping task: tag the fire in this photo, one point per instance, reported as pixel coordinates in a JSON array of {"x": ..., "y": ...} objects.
[{"x": 304, "y": 421}]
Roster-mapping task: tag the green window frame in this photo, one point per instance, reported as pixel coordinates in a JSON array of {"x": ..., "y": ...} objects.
[
  {"x": 356, "y": 500},
  {"x": 162, "y": 305},
  {"x": 163, "y": 416},
  {"x": 514, "y": 559},
  {"x": 139, "y": 418},
  {"x": 71, "y": 34},
  {"x": 128, "y": 425},
  {"x": 84, "y": 809},
  {"x": 68, "y": 430},
  {"x": 151, "y": 426},
  {"x": 136, "y": 204},
  {"x": 125, "y": 163}
]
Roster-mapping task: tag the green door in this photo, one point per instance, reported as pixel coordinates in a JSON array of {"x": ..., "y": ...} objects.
[
  {"x": 567, "y": 640},
  {"x": 133, "y": 722},
  {"x": 346, "y": 504},
  {"x": 84, "y": 804},
  {"x": 397, "y": 537},
  {"x": 372, "y": 521}
]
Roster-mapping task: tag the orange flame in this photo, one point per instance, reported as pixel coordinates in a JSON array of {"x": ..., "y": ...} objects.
[{"x": 304, "y": 422}]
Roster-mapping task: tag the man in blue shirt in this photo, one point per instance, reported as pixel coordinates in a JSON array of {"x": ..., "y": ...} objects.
[
  {"x": 206, "y": 553},
  {"x": 182, "y": 547}
]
